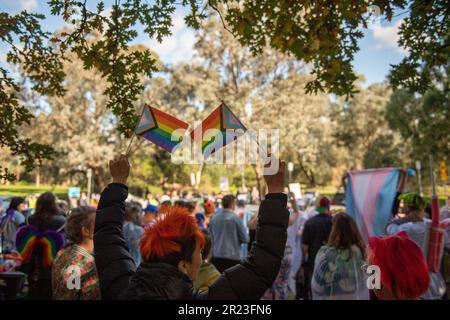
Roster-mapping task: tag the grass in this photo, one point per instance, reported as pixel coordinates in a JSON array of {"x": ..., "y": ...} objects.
[{"x": 24, "y": 189}]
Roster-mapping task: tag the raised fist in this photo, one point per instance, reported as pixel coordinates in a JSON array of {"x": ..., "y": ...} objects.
[
  {"x": 275, "y": 182},
  {"x": 119, "y": 169}
]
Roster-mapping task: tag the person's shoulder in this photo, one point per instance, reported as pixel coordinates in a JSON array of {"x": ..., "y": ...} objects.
[
  {"x": 357, "y": 253},
  {"x": 209, "y": 267},
  {"x": 326, "y": 253},
  {"x": 32, "y": 219},
  {"x": 307, "y": 224},
  {"x": 18, "y": 217},
  {"x": 221, "y": 214},
  {"x": 327, "y": 250},
  {"x": 139, "y": 229},
  {"x": 60, "y": 255},
  {"x": 57, "y": 221},
  {"x": 235, "y": 217},
  {"x": 426, "y": 220},
  {"x": 406, "y": 225},
  {"x": 312, "y": 220},
  {"x": 63, "y": 256},
  {"x": 213, "y": 218}
]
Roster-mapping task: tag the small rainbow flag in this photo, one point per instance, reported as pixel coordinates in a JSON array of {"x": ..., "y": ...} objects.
[
  {"x": 228, "y": 129},
  {"x": 158, "y": 127}
]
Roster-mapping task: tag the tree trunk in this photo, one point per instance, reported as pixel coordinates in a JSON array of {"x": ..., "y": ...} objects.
[
  {"x": 198, "y": 176},
  {"x": 258, "y": 180},
  {"x": 308, "y": 174},
  {"x": 100, "y": 182},
  {"x": 313, "y": 178},
  {"x": 38, "y": 176}
]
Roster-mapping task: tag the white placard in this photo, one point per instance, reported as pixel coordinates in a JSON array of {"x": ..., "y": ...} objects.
[
  {"x": 296, "y": 189},
  {"x": 224, "y": 184}
]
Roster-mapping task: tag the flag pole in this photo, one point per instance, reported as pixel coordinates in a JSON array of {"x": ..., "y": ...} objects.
[
  {"x": 261, "y": 147},
  {"x": 134, "y": 133},
  {"x": 129, "y": 145},
  {"x": 434, "y": 197}
]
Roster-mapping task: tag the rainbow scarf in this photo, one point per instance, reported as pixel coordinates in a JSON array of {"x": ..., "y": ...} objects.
[
  {"x": 220, "y": 128},
  {"x": 158, "y": 127},
  {"x": 28, "y": 237}
]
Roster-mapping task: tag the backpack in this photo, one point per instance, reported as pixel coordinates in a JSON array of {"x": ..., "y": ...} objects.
[{"x": 7, "y": 231}]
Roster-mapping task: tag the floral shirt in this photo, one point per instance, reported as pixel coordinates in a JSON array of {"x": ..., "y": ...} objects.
[
  {"x": 64, "y": 286},
  {"x": 279, "y": 289}
]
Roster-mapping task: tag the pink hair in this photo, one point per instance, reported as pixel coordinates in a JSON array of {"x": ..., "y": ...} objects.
[{"x": 404, "y": 272}]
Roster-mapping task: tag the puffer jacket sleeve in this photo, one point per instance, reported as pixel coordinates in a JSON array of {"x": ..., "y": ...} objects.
[
  {"x": 115, "y": 265},
  {"x": 250, "y": 279}
]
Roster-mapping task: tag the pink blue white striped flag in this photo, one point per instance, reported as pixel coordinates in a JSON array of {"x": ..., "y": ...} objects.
[{"x": 370, "y": 196}]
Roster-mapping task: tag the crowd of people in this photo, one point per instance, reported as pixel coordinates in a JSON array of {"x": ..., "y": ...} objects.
[{"x": 213, "y": 247}]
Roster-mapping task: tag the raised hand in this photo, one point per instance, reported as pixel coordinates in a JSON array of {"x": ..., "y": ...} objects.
[
  {"x": 119, "y": 169},
  {"x": 275, "y": 182}
]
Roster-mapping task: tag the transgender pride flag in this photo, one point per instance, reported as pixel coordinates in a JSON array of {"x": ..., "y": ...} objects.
[{"x": 369, "y": 199}]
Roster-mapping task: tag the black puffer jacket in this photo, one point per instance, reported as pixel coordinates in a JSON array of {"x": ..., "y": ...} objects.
[{"x": 248, "y": 280}]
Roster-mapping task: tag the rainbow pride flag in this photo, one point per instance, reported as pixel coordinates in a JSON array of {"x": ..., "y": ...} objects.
[
  {"x": 220, "y": 128},
  {"x": 158, "y": 127}
]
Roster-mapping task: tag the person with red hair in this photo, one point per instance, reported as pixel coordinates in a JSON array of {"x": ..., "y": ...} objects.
[
  {"x": 402, "y": 267},
  {"x": 164, "y": 207},
  {"x": 172, "y": 249},
  {"x": 174, "y": 239},
  {"x": 418, "y": 227}
]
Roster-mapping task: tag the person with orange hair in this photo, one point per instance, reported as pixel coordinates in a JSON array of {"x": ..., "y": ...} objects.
[
  {"x": 402, "y": 267},
  {"x": 164, "y": 207},
  {"x": 209, "y": 207},
  {"x": 171, "y": 249}
]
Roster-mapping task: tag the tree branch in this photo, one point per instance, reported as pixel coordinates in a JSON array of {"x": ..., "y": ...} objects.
[{"x": 221, "y": 18}]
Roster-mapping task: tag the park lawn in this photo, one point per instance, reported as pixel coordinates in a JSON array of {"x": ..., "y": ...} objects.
[{"x": 24, "y": 189}]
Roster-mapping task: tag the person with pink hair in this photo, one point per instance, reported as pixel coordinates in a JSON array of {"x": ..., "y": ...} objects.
[
  {"x": 402, "y": 267},
  {"x": 418, "y": 227}
]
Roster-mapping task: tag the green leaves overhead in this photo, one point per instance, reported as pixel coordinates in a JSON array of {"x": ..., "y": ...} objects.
[
  {"x": 44, "y": 69},
  {"x": 422, "y": 120},
  {"x": 323, "y": 34},
  {"x": 426, "y": 35}
]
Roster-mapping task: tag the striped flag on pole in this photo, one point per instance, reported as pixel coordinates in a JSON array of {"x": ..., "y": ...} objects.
[
  {"x": 370, "y": 196},
  {"x": 159, "y": 127},
  {"x": 220, "y": 128}
]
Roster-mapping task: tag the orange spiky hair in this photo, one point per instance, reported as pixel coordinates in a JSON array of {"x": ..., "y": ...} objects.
[
  {"x": 172, "y": 238},
  {"x": 164, "y": 208}
]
